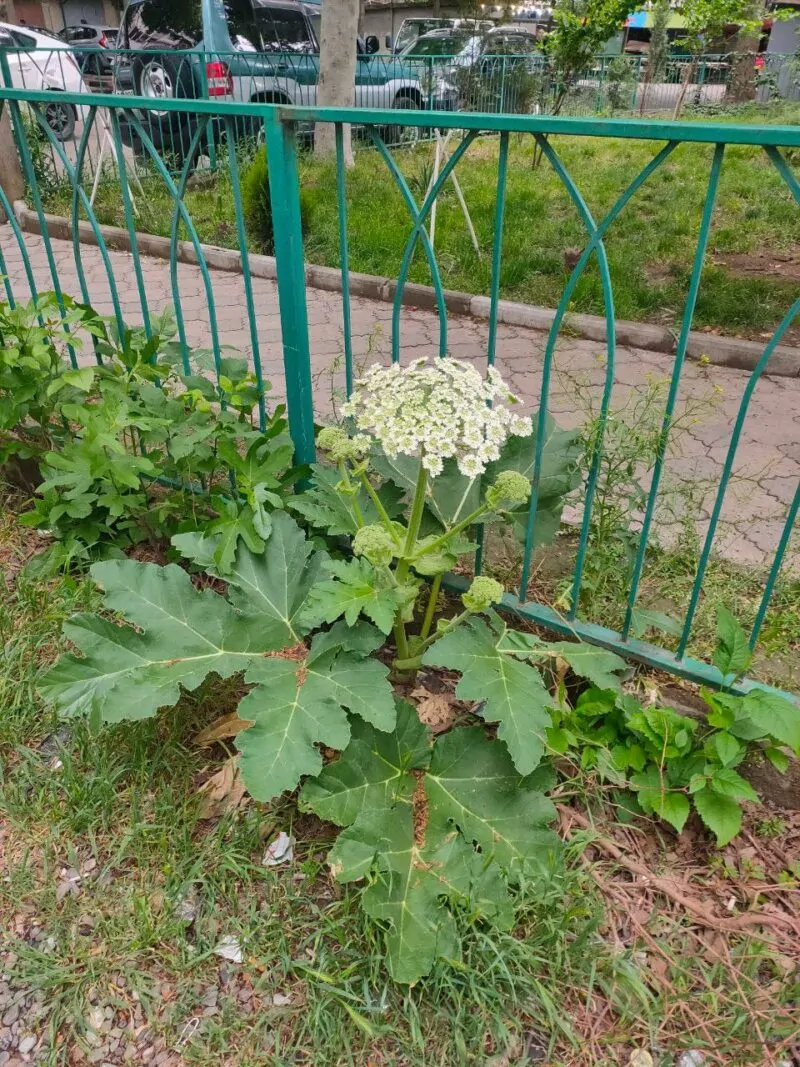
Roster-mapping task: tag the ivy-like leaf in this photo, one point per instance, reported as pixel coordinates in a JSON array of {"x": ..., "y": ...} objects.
[
  {"x": 513, "y": 691},
  {"x": 721, "y": 814},
  {"x": 732, "y": 654},
  {"x": 272, "y": 586},
  {"x": 125, "y": 674},
  {"x": 373, "y": 774},
  {"x": 356, "y": 587}
]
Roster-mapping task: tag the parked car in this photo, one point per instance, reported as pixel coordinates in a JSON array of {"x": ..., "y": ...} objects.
[
  {"x": 40, "y": 60},
  {"x": 246, "y": 50},
  {"x": 413, "y": 28},
  {"x": 88, "y": 43}
]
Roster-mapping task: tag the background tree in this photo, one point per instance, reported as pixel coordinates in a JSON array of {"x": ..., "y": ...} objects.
[
  {"x": 337, "y": 69},
  {"x": 714, "y": 24},
  {"x": 582, "y": 28},
  {"x": 658, "y": 51}
]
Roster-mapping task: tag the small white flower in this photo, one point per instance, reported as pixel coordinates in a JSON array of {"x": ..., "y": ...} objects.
[{"x": 437, "y": 410}]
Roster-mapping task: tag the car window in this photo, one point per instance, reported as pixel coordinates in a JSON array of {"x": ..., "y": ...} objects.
[
  {"x": 242, "y": 24},
  {"x": 450, "y": 45},
  {"x": 22, "y": 40},
  {"x": 6, "y": 40},
  {"x": 163, "y": 24},
  {"x": 284, "y": 30}
]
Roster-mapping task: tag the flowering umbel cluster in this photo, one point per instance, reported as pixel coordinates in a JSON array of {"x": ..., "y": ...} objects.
[{"x": 437, "y": 410}]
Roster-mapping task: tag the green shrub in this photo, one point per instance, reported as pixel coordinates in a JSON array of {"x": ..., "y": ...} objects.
[{"x": 257, "y": 206}]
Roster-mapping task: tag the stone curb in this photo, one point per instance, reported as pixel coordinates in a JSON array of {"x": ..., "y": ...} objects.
[{"x": 721, "y": 351}]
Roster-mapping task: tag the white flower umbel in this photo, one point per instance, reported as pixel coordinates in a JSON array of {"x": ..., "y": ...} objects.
[{"x": 437, "y": 409}]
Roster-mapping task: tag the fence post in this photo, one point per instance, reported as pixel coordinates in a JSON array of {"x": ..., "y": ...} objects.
[
  {"x": 11, "y": 180},
  {"x": 284, "y": 189}
]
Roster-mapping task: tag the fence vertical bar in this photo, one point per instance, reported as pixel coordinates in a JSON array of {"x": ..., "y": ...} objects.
[
  {"x": 775, "y": 569},
  {"x": 344, "y": 258},
  {"x": 284, "y": 188},
  {"x": 672, "y": 396},
  {"x": 30, "y": 177},
  {"x": 247, "y": 280},
  {"x": 497, "y": 247}
]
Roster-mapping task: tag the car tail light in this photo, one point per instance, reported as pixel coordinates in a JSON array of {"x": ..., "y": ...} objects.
[
  {"x": 103, "y": 42},
  {"x": 218, "y": 79}
]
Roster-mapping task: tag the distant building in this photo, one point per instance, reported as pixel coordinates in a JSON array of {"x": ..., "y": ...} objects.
[{"x": 54, "y": 15}]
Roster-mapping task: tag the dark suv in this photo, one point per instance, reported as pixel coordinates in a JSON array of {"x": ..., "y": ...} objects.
[{"x": 246, "y": 50}]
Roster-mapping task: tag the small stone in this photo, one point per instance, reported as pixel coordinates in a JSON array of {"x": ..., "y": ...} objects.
[
  {"x": 280, "y": 1000},
  {"x": 692, "y": 1058},
  {"x": 26, "y": 1044},
  {"x": 97, "y": 1055},
  {"x": 11, "y": 1015},
  {"x": 209, "y": 998},
  {"x": 147, "y": 1054},
  {"x": 211, "y": 1010}
]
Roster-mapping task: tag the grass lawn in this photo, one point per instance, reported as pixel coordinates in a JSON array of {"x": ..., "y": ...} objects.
[
  {"x": 116, "y": 889},
  {"x": 752, "y": 270}
]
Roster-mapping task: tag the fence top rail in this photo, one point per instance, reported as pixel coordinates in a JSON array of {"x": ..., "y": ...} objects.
[{"x": 635, "y": 129}]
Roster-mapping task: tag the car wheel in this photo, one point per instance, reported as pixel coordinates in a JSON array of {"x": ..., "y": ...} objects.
[
  {"x": 61, "y": 118},
  {"x": 399, "y": 134},
  {"x": 157, "y": 78}
]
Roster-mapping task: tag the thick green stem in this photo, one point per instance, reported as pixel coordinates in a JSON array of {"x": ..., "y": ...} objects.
[
  {"x": 376, "y": 500},
  {"x": 417, "y": 508},
  {"x": 433, "y": 597},
  {"x": 346, "y": 479},
  {"x": 414, "y": 523},
  {"x": 470, "y": 519}
]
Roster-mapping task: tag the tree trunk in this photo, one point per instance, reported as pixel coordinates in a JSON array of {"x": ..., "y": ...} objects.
[
  {"x": 337, "y": 70},
  {"x": 11, "y": 180},
  {"x": 688, "y": 77},
  {"x": 742, "y": 86}
]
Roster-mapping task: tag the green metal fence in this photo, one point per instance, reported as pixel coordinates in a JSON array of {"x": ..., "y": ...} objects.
[{"x": 280, "y": 128}]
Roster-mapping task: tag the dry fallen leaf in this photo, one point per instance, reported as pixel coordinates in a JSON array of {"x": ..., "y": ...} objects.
[
  {"x": 227, "y": 726},
  {"x": 436, "y": 710},
  {"x": 223, "y": 792}
]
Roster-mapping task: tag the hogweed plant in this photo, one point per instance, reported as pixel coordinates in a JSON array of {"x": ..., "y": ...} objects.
[
  {"x": 432, "y": 827},
  {"x": 430, "y": 414}
]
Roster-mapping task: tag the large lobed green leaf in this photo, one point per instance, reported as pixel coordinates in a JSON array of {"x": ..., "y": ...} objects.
[
  {"x": 461, "y": 833},
  {"x": 512, "y": 692},
  {"x": 185, "y": 634}
]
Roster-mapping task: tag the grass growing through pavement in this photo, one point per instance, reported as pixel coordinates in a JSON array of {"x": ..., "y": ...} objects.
[
  {"x": 650, "y": 247},
  {"x": 103, "y": 849}
]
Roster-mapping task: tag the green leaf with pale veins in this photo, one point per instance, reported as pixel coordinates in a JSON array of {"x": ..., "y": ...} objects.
[
  {"x": 415, "y": 837},
  {"x": 125, "y": 674},
  {"x": 597, "y": 665},
  {"x": 473, "y": 785},
  {"x": 355, "y": 588},
  {"x": 297, "y": 705},
  {"x": 373, "y": 773},
  {"x": 272, "y": 586},
  {"x": 325, "y": 507},
  {"x": 513, "y": 691}
]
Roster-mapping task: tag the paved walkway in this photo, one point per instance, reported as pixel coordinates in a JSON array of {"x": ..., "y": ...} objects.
[{"x": 767, "y": 468}]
